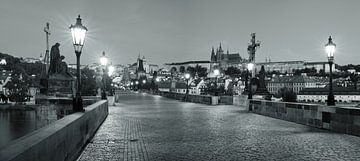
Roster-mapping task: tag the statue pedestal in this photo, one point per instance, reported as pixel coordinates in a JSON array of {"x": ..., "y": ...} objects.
[{"x": 61, "y": 85}]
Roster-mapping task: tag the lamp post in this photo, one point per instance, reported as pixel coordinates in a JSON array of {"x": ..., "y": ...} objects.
[
  {"x": 187, "y": 77},
  {"x": 103, "y": 62},
  {"x": 143, "y": 84},
  {"x": 330, "y": 49},
  {"x": 137, "y": 85},
  {"x": 216, "y": 74},
  {"x": 250, "y": 67},
  {"x": 78, "y": 32},
  {"x": 111, "y": 70}
]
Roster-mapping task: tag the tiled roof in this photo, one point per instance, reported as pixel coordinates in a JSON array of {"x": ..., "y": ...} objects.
[
  {"x": 297, "y": 79},
  {"x": 180, "y": 85},
  {"x": 325, "y": 91}
]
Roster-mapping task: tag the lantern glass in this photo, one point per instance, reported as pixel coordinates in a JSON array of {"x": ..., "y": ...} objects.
[
  {"x": 187, "y": 76},
  {"x": 78, "y": 32},
  {"x": 330, "y": 49},
  {"x": 250, "y": 66},
  {"x": 216, "y": 72},
  {"x": 103, "y": 60}
]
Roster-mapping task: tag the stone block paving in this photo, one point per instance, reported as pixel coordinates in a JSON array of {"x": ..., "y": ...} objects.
[
  {"x": 146, "y": 127},
  {"x": 117, "y": 141}
]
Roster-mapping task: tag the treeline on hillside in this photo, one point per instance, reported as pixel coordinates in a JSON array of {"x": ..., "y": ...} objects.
[{"x": 31, "y": 74}]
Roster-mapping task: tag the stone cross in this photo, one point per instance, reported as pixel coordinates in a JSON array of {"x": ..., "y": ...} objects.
[{"x": 46, "y": 58}]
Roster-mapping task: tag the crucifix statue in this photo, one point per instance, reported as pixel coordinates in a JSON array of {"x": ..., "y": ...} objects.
[
  {"x": 251, "y": 50},
  {"x": 46, "y": 58}
]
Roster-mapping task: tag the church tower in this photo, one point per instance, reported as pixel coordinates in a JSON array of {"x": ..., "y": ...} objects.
[{"x": 213, "y": 58}]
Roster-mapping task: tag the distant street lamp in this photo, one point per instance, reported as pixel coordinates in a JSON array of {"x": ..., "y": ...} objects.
[
  {"x": 330, "y": 49},
  {"x": 103, "y": 59},
  {"x": 3, "y": 62},
  {"x": 103, "y": 62},
  {"x": 111, "y": 70},
  {"x": 187, "y": 77},
  {"x": 250, "y": 67},
  {"x": 78, "y": 32},
  {"x": 137, "y": 85},
  {"x": 216, "y": 74}
]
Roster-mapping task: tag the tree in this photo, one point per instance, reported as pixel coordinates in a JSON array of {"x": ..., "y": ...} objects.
[
  {"x": 18, "y": 88},
  {"x": 232, "y": 71},
  {"x": 173, "y": 69},
  {"x": 191, "y": 70},
  {"x": 88, "y": 82},
  {"x": 173, "y": 72},
  {"x": 182, "y": 69},
  {"x": 213, "y": 89},
  {"x": 287, "y": 95},
  {"x": 354, "y": 79},
  {"x": 201, "y": 71}
]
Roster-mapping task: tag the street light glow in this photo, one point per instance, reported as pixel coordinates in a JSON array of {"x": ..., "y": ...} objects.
[
  {"x": 3, "y": 62},
  {"x": 250, "y": 66},
  {"x": 216, "y": 72},
  {"x": 330, "y": 49},
  {"x": 78, "y": 32},
  {"x": 103, "y": 59},
  {"x": 144, "y": 81},
  {"x": 187, "y": 76},
  {"x": 111, "y": 70},
  {"x": 157, "y": 79}
]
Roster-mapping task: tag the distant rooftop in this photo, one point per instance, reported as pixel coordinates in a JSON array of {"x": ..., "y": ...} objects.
[
  {"x": 275, "y": 62},
  {"x": 325, "y": 91},
  {"x": 187, "y": 62}
]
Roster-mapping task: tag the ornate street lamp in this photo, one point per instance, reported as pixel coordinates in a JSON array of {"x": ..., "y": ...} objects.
[
  {"x": 250, "y": 67},
  {"x": 103, "y": 62},
  {"x": 187, "y": 77},
  {"x": 78, "y": 32},
  {"x": 330, "y": 49}
]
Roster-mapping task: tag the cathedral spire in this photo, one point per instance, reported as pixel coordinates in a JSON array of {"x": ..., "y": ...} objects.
[
  {"x": 220, "y": 48},
  {"x": 212, "y": 54}
]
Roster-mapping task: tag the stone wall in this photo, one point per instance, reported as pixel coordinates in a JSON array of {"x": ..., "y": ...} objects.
[
  {"x": 118, "y": 94},
  {"x": 191, "y": 98},
  {"x": 241, "y": 100},
  {"x": 61, "y": 140},
  {"x": 226, "y": 100},
  {"x": 338, "y": 119}
]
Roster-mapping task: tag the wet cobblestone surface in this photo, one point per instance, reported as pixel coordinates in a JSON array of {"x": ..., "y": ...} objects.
[{"x": 147, "y": 127}]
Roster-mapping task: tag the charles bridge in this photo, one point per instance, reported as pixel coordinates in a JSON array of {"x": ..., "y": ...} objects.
[{"x": 141, "y": 126}]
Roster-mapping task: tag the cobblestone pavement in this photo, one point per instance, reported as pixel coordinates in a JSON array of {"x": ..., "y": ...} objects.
[{"x": 147, "y": 127}]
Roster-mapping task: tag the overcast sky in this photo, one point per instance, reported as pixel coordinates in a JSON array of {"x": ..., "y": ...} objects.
[{"x": 182, "y": 30}]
